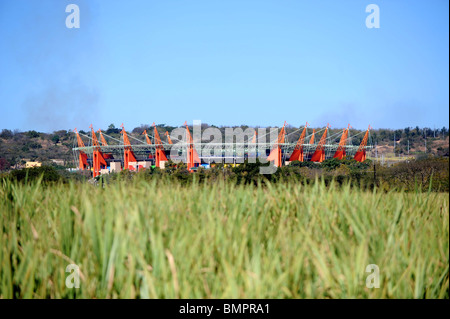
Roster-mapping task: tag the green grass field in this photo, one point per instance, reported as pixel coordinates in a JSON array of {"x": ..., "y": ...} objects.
[{"x": 142, "y": 240}]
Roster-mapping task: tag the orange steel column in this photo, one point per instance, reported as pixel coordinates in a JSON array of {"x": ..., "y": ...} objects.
[
  {"x": 82, "y": 156},
  {"x": 97, "y": 156},
  {"x": 159, "y": 149},
  {"x": 128, "y": 155},
  {"x": 96, "y": 163},
  {"x": 190, "y": 153},
  {"x": 157, "y": 163},
  {"x": 276, "y": 154},
  {"x": 360, "y": 155},
  {"x": 149, "y": 142},
  {"x": 168, "y": 137},
  {"x": 319, "y": 154},
  {"x": 297, "y": 154},
  {"x": 254, "y": 137},
  {"x": 125, "y": 159},
  {"x": 340, "y": 152},
  {"x": 102, "y": 138},
  {"x": 311, "y": 140},
  {"x": 192, "y": 156}
]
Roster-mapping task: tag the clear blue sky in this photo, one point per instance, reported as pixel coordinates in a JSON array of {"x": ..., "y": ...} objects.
[{"x": 223, "y": 62}]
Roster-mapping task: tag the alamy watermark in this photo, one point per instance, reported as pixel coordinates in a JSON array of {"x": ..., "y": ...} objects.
[
  {"x": 73, "y": 19},
  {"x": 373, "y": 19},
  {"x": 73, "y": 279},
  {"x": 373, "y": 280},
  {"x": 235, "y": 147}
]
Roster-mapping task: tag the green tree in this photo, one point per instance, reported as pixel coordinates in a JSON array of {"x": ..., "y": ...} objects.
[
  {"x": 32, "y": 134},
  {"x": 112, "y": 129},
  {"x": 55, "y": 139},
  {"x": 6, "y": 134},
  {"x": 407, "y": 130}
]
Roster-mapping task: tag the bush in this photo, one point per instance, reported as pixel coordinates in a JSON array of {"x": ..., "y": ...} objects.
[
  {"x": 32, "y": 134},
  {"x": 6, "y": 134},
  {"x": 426, "y": 173},
  {"x": 48, "y": 173}
]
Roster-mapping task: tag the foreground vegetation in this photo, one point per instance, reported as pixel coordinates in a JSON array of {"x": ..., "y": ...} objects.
[
  {"x": 142, "y": 238},
  {"x": 430, "y": 173}
]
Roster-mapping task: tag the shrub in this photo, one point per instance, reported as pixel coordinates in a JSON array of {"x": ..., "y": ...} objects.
[{"x": 48, "y": 173}]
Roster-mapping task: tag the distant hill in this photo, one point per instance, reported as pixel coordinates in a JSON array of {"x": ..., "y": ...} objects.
[{"x": 18, "y": 147}]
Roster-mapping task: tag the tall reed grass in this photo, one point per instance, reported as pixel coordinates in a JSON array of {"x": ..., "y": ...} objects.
[{"x": 152, "y": 240}]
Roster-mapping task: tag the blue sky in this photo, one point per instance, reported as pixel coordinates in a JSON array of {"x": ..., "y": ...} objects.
[{"x": 224, "y": 63}]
